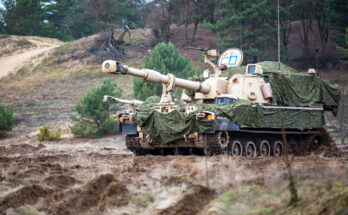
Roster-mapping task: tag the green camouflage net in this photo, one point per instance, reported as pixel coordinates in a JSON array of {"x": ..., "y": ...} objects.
[
  {"x": 290, "y": 88},
  {"x": 294, "y": 119},
  {"x": 165, "y": 128}
]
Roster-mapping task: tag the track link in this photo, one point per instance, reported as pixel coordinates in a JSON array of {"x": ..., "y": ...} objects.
[
  {"x": 301, "y": 142},
  {"x": 132, "y": 143}
]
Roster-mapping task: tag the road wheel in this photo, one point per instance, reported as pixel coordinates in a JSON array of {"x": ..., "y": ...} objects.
[
  {"x": 236, "y": 149},
  {"x": 278, "y": 148},
  {"x": 265, "y": 148},
  {"x": 250, "y": 149}
]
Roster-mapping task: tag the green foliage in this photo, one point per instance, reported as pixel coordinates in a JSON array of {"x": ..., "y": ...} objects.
[
  {"x": 25, "y": 17},
  {"x": 164, "y": 58},
  {"x": 252, "y": 24},
  {"x": 344, "y": 51},
  {"x": 337, "y": 13},
  {"x": 94, "y": 119},
  {"x": 6, "y": 120},
  {"x": 84, "y": 128},
  {"x": 45, "y": 134},
  {"x": 66, "y": 19}
]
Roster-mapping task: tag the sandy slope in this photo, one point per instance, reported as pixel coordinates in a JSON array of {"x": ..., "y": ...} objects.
[{"x": 19, "y": 51}]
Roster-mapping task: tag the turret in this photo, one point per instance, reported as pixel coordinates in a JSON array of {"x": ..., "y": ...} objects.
[
  {"x": 132, "y": 102},
  {"x": 215, "y": 88}
]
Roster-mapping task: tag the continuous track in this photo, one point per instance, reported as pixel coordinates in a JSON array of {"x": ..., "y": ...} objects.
[{"x": 249, "y": 143}]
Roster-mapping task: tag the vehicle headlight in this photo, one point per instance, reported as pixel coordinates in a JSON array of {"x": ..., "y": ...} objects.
[{"x": 205, "y": 116}]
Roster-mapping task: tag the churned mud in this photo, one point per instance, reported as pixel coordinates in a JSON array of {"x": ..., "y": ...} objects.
[{"x": 100, "y": 176}]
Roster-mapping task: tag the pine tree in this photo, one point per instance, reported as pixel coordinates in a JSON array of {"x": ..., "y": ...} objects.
[
  {"x": 6, "y": 120},
  {"x": 164, "y": 58},
  {"x": 25, "y": 17},
  {"x": 252, "y": 26},
  {"x": 244, "y": 24},
  {"x": 344, "y": 50},
  {"x": 94, "y": 119},
  {"x": 337, "y": 13},
  {"x": 57, "y": 12}
]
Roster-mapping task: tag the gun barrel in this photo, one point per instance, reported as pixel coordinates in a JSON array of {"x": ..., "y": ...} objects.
[
  {"x": 114, "y": 67},
  {"x": 132, "y": 102},
  {"x": 195, "y": 48}
]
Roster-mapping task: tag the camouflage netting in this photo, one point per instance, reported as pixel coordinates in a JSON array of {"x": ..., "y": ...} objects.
[
  {"x": 292, "y": 88},
  {"x": 165, "y": 128},
  {"x": 294, "y": 119}
]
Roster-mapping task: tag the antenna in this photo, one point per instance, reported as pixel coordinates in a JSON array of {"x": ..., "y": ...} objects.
[{"x": 278, "y": 39}]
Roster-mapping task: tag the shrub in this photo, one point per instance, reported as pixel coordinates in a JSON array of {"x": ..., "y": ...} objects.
[
  {"x": 6, "y": 120},
  {"x": 46, "y": 135},
  {"x": 94, "y": 119},
  {"x": 164, "y": 58}
]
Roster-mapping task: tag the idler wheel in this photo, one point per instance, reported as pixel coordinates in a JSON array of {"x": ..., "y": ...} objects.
[
  {"x": 250, "y": 149},
  {"x": 265, "y": 148},
  {"x": 236, "y": 149},
  {"x": 278, "y": 148}
]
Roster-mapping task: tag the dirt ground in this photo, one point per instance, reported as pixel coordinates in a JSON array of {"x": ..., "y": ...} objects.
[
  {"x": 17, "y": 51},
  {"x": 100, "y": 176}
]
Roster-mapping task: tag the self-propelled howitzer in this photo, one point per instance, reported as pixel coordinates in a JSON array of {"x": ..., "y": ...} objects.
[{"x": 239, "y": 114}]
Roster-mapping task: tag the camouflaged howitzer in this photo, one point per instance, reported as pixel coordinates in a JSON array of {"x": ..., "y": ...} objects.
[{"x": 238, "y": 110}]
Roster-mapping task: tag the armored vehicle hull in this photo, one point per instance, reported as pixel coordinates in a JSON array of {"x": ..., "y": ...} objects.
[
  {"x": 240, "y": 140},
  {"x": 244, "y": 111}
]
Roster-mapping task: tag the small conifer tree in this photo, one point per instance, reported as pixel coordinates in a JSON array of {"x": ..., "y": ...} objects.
[
  {"x": 94, "y": 119},
  {"x": 164, "y": 58},
  {"x": 6, "y": 120}
]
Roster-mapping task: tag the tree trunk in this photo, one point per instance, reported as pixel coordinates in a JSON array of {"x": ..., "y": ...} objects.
[
  {"x": 194, "y": 32},
  {"x": 186, "y": 22},
  {"x": 341, "y": 117}
]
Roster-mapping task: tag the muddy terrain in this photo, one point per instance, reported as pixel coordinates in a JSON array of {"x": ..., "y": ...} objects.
[
  {"x": 100, "y": 176},
  {"x": 86, "y": 176}
]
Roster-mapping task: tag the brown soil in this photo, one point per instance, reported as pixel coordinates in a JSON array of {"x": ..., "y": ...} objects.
[
  {"x": 68, "y": 177},
  {"x": 190, "y": 202},
  {"x": 60, "y": 181},
  {"x": 26, "y": 195},
  {"x": 82, "y": 199},
  {"x": 100, "y": 176},
  {"x": 115, "y": 194},
  {"x": 18, "y": 149},
  {"x": 17, "y": 51}
]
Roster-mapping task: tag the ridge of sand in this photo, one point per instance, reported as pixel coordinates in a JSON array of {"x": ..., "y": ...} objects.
[{"x": 16, "y": 57}]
